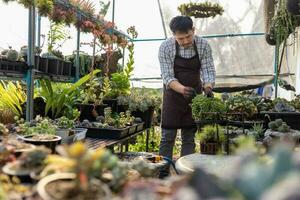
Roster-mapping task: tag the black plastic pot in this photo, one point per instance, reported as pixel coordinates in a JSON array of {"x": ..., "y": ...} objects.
[
  {"x": 12, "y": 66},
  {"x": 113, "y": 103},
  {"x": 107, "y": 133},
  {"x": 67, "y": 68},
  {"x": 86, "y": 111},
  {"x": 53, "y": 66},
  {"x": 146, "y": 116},
  {"x": 43, "y": 66},
  {"x": 36, "y": 61},
  {"x": 51, "y": 144},
  {"x": 293, "y": 6},
  {"x": 291, "y": 118}
]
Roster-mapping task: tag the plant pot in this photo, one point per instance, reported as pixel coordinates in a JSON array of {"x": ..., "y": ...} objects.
[
  {"x": 22, "y": 174},
  {"x": 36, "y": 61},
  {"x": 60, "y": 69},
  {"x": 53, "y": 66},
  {"x": 211, "y": 148},
  {"x": 113, "y": 103},
  {"x": 51, "y": 144},
  {"x": 67, "y": 68},
  {"x": 146, "y": 116},
  {"x": 132, "y": 129},
  {"x": 293, "y": 7},
  {"x": 87, "y": 111},
  {"x": 49, "y": 188},
  {"x": 66, "y": 136},
  {"x": 107, "y": 133},
  {"x": 80, "y": 134},
  {"x": 43, "y": 66}
]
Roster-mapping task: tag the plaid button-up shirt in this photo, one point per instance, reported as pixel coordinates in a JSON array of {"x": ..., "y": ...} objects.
[{"x": 167, "y": 52}]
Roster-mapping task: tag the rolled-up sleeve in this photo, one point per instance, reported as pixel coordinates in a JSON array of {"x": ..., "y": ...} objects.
[
  {"x": 208, "y": 72},
  {"x": 166, "y": 63}
]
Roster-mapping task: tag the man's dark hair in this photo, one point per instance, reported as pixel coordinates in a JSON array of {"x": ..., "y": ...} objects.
[{"x": 181, "y": 24}]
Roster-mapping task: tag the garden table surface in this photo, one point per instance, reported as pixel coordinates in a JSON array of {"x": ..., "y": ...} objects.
[
  {"x": 213, "y": 164},
  {"x": 95, "y": 143}
]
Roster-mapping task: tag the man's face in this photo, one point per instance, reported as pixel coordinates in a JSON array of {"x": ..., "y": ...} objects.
[{"x": 185, "y": 39}]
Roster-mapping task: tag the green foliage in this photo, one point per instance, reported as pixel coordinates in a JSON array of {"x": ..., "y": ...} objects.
[
  {"x": 61, "y": 101},
  {"x": 209, "y": 134},
  {"x": 65, "y": 123},
  {"x": 296, "y": 103},
  {"x": 257, "y": 131},
  {"x": 241, "y": 104},
  {"x": 12, "y": 97},
  {"x": 283, "y": 22},
  {"x": 92, "y": 91},
  {"x": 201, "y": 10},
  {"x": 154, "y": 141},
  {"x": 38, "y": 126},
  {"x": 140, "y": 99},
  {"x": 204, "y": 108},
  {"x": 279, "y": 125},
  {"x": 45, "y": 7},
  {"x": 27, "y": 3},
  {"x": 56, "y": 34},
  {"x": 118, "y": 85},
  {"x": 85, "y": 61}
]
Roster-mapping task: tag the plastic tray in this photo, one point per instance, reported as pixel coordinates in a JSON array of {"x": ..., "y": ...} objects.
[{"x": 107, "y": 133}]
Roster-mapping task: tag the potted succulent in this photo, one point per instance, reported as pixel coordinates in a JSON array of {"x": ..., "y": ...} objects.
[
  {"x": 91, "y": 97},
  {"x": 65, "y": 129},
  {"x": 111, "y": 125},
  {"x": 89, "y": 169},
  {"x": 40, "y": 131},
  {"x": 141, "y": 103},
  {"x": 211, "y": 138},
  {"x": 241, "y": 107},
  {"x": 10, "y": 61},
  {"x": 29, "y": 162}
]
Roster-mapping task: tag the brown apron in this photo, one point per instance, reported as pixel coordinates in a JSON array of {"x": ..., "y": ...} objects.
[{"x": 176, "y": 111}]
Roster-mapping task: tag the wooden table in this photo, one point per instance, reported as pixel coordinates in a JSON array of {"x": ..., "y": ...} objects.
[{"x": 94, "y": 143}]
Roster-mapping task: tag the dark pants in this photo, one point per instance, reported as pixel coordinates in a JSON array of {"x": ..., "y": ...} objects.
[{"x": 167, "y": 142}]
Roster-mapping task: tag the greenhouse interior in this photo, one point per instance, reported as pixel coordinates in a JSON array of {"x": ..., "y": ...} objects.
[{"x": 150, "y": 100}]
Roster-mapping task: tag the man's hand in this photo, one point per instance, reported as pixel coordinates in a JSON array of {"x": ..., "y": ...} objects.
[
  {"x": 208, "y": 92},
  {"x": 188, "y": 92}
]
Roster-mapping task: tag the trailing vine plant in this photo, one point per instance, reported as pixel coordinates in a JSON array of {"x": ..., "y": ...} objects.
[{"x": 201, "y": 10}]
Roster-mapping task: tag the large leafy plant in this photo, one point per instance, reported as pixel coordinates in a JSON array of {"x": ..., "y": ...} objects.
[
  {"x": 61, "y": 101},
  {"x": 12, "y": 96}
]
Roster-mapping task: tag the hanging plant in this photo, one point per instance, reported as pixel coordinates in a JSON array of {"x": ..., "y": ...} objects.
[
  {"x": 85, "y": 5},
  {"x": 85, "y": 26},
  {"x": 57, "y": 15},
  {"x": 201, "y": 10},
  {"x": 70, "y": 16},
  {"x": 27, "y": 3},
  {"x": 7, "y": 1},
  {"x": 283, "y": 23},
  {"x": 45, "y": 7}
]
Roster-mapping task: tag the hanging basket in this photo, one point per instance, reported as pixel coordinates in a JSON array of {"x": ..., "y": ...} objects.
[{"x": 201, "y": 10}]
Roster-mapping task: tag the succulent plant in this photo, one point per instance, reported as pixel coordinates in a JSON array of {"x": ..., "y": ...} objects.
[
  {"x": 279, "y": 125},
  {"x": 12, "y": 55},
  {"x": 34, "y": 158}
]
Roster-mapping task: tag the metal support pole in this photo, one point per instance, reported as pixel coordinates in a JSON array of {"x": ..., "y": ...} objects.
[
  {"x": 276, "y": 59},
  {"x": 162, "y": 19},
  {"x": 123, "y": 59},
  {"x": 77, "y": 56},
  {"x": 113, "y": 12},
  {"x": 39, "y": 18},
  {"x": 30, "y": 62},
  {"x": 147, "y": 139}
]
